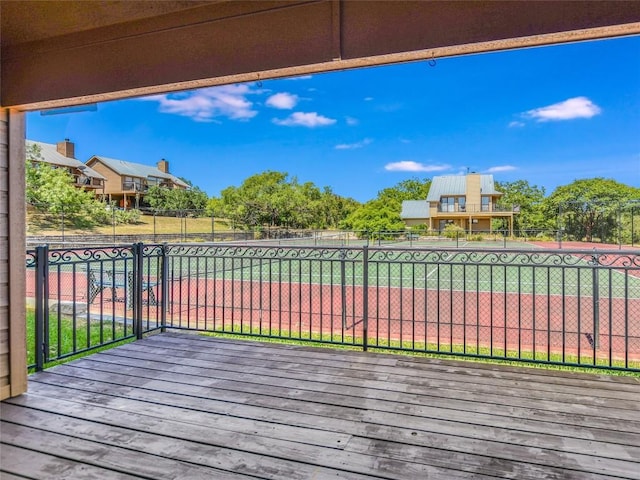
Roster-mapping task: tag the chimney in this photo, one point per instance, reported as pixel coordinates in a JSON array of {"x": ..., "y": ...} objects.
[
  {"x": 66, "y": 148},
  {"x": 163, "y": 166}
]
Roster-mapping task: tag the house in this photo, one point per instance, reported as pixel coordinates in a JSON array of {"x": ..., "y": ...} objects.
[
  {"x": 127, "y": 182},
  {"x": 62, "y": 155},
  {"x": 469, "y": 201}
]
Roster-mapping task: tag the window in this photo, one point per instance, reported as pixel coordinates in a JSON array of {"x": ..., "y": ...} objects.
[
  {"x": 131, "y": 183},
  {"x": 151, "y": 181},
  {"x": 448, "y": 204},
  {"x": 462, "y": 204},
  {"x": 485, "y": 204}
]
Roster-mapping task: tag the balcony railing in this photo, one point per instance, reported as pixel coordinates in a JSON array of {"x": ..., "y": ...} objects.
[
  {"x": 561, "y": 307},
  {"x": 87, "y": 182},
  {"x": 132, "y": 187},
  {"x": 477, "y": 208}
]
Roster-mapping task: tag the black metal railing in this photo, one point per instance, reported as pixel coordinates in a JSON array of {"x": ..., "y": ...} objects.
[
  {"x": 561, "y": 307},
  {"x": 85, "y": 298},
  {"x": 476, "y": 208}
]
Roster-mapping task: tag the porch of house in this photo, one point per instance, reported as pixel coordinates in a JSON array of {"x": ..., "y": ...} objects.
[{"x": 187, "y": 406}]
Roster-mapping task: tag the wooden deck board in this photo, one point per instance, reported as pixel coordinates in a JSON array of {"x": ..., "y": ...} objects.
[
  {"x": 185, "y": 406},
  {"x": 522, "y": 387},
  {"x": 360, "y": 397}
]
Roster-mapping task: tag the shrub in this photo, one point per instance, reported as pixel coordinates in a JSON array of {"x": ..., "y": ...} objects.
[
  {"x": 453, "y": 231},
  {"x": 127, "y": 216}
]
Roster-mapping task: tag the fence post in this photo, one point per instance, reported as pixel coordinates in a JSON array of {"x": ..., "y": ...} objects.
[
  {"x": 41, "y": 346},
  {"x": 62, "y": 226},
  {"x": 164, "y": 288},
  {"x": 343, "y": 288},
  {"x": 365, "y": 297},
  {"x": 137, "y": 288},
  {"x": 596, "y": 300},
  {"x": 632, "y": 232}
]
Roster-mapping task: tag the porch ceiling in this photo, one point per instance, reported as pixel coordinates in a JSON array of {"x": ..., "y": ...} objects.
[{"x": 62, "y": 53}]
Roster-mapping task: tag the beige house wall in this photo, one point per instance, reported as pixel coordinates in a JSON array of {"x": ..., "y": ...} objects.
[
  {"x": 416, "y": 221},
  {"x": 483, "y": 225},
  {"x": 113, "y": 182},
  {"x": 473, "y": 189}
]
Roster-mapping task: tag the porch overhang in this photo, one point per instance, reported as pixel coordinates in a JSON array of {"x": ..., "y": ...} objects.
[{"x": 78, "y": 52}]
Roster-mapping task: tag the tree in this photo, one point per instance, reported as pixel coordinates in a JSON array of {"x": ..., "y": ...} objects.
[
  {"x": 529, "y": 199},
  {"x": 410, "y": 189},
  {"x": 177, "y": 200},
  {"x": 334, "y": 208},
  {"x": 590, "y": 207},
  {"x": 273, "y": 199},
  {"x": 383, "y": 213},
  {"x": 374, "y": 216}
]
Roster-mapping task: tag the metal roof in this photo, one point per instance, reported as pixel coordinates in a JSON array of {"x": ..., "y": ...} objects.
[
  {"x": 414, "y": 209},
  {"x": 457, "y": 185},
  {"x": 50, "y": 154},
  {"x": 131, "y": 169}
]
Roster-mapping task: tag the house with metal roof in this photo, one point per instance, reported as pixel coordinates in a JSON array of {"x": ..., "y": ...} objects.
[
  {"x": 469, "y": 201},
  {"x": 128, "y": 182},
  {"x": 62, "y": 155}
]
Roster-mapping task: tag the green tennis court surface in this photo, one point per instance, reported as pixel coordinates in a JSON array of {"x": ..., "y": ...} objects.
[{"x": 494, "y": 272}]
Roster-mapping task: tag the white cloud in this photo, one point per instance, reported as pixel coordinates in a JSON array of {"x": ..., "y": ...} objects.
[
  {"x": 577, "y": 107},
  {"x": 501, "y": 168},
  {"x": 516, "y": 124},
  {"x": 302, "y": 119},
  {"x": 283, "y": 101},
  {"x": 411, "y": 166},
  {"x": 352, "y": 121},
  {"x": 351, "y": 146},
  {"x": 206, "y": 104}
]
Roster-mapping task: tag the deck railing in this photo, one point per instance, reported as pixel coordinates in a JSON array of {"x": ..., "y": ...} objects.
[
  {"x": 561, "y": 307},
  {"x": 477, "y": 208}
]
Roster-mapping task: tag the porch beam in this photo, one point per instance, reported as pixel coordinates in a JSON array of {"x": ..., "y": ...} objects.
[{"x": 230, "y": 42}]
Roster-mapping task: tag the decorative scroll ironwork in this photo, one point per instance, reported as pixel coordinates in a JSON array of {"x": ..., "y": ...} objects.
[
  {"x": 507, "y": 257},
  {"x": 84, "y": 255},
  {"x": 266, "y": 252},
  {"x": 30, "y": 259}
]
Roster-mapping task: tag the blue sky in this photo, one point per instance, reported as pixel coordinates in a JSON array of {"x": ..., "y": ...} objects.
[{"x": 548, "y": 115}]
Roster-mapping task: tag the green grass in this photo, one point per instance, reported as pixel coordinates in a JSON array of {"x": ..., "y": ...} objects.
[
  {"x": 93, "y": 341},
  {"x": 39, "y": 224},
  {"x": 87, "y": 340},
  {"x": 430, "y": 350}
]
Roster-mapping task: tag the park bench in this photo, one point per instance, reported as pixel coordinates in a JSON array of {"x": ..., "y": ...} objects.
[{"x": 120, "y": 283}]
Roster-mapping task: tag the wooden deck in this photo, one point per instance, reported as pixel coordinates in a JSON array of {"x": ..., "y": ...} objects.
[{"x": 183, "y": 407}]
